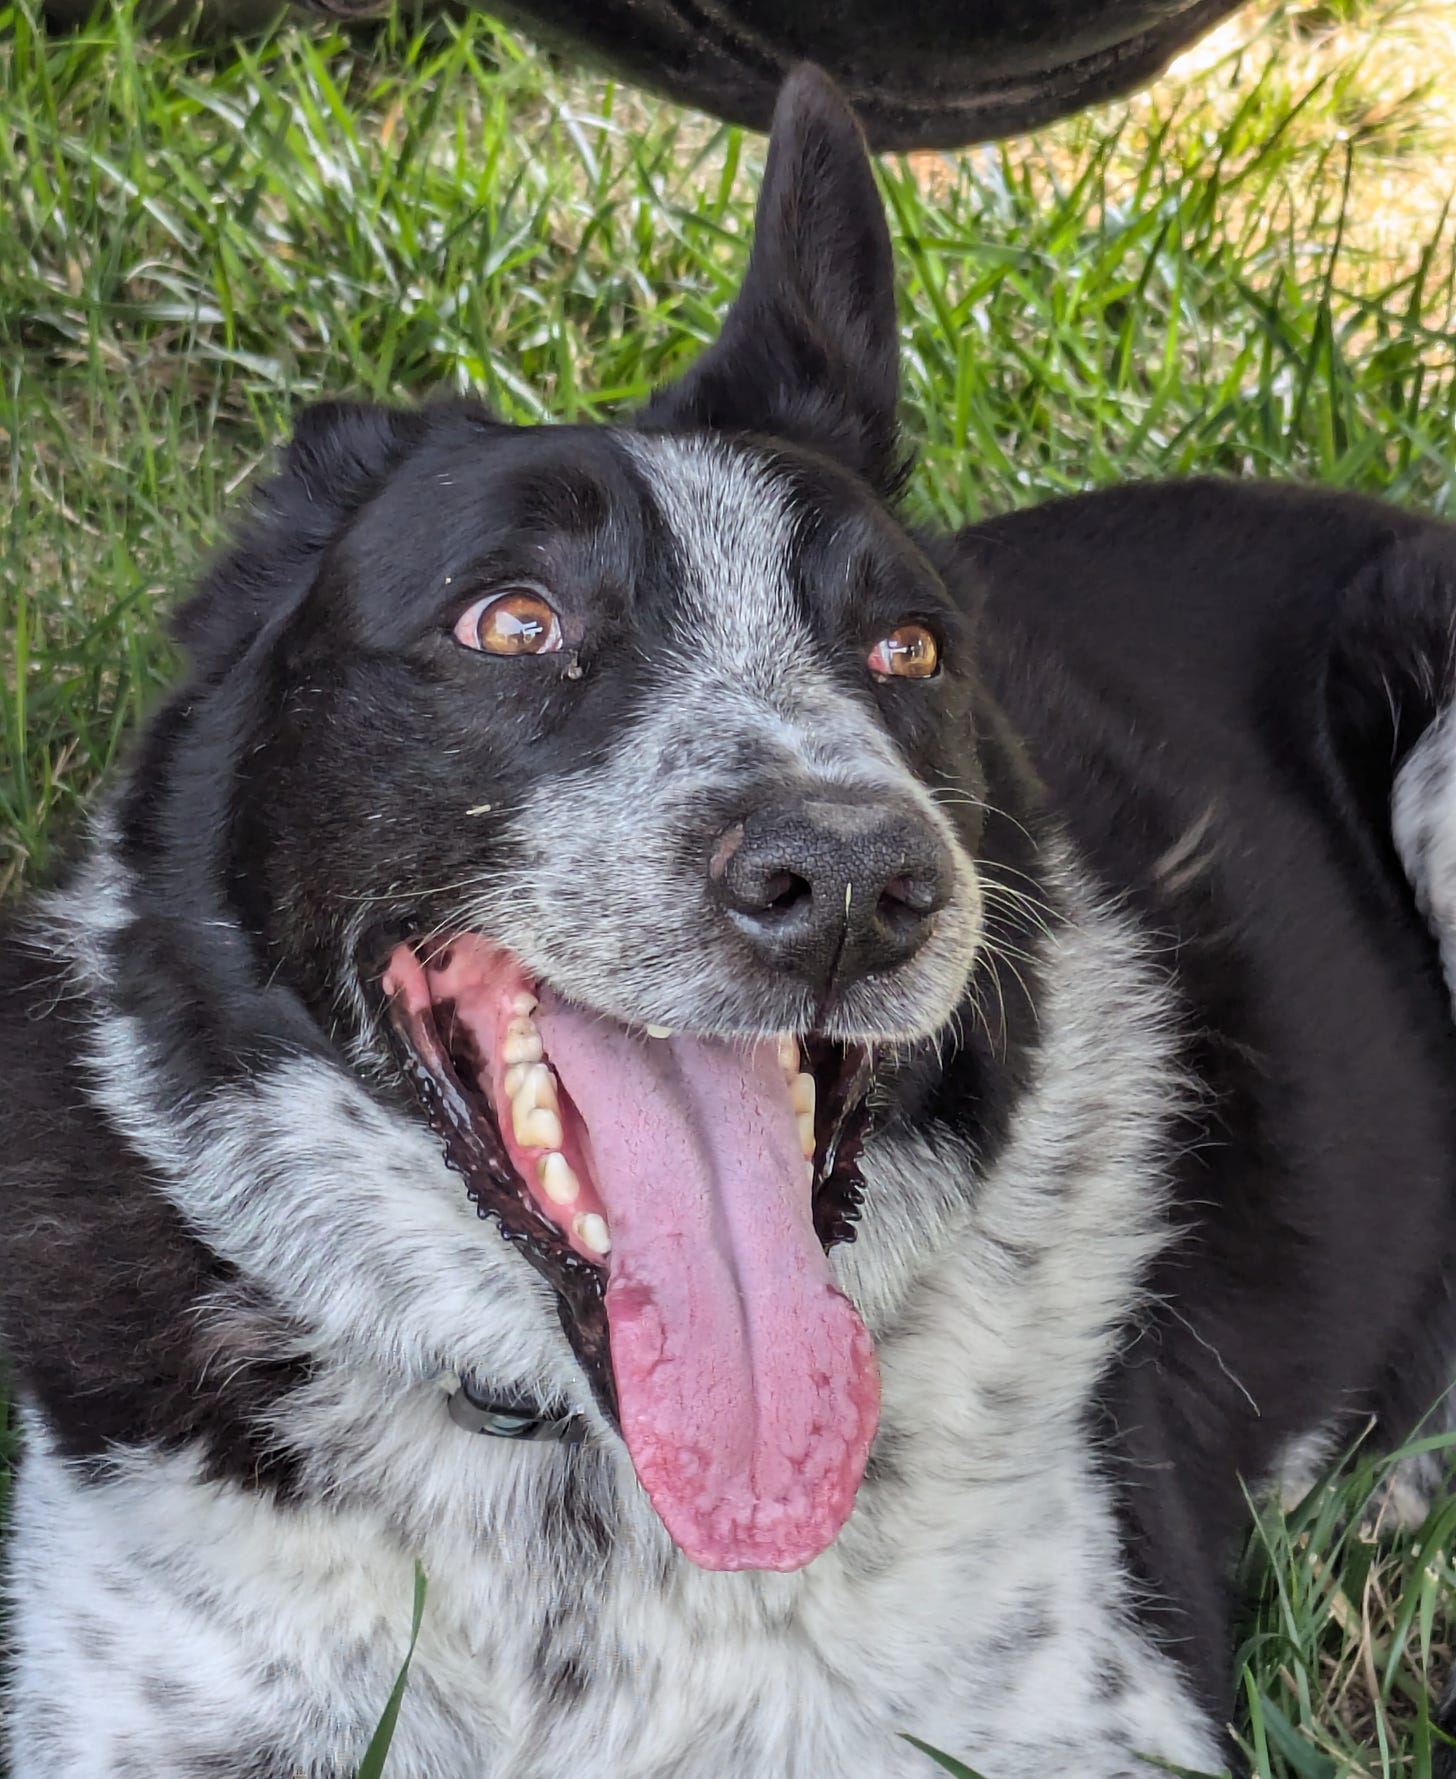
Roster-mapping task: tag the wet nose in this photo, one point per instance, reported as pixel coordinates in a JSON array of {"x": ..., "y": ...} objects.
[{"x": 832, "y": 889}]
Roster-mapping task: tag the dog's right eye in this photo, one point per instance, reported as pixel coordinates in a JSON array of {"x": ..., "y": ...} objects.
[{"x": 518, "y": 621}]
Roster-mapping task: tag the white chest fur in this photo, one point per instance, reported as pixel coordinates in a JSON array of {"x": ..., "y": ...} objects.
[{"x": 975, "y": 1599}]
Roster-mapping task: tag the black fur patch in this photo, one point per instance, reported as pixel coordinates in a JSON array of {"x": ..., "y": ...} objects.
[
  {"x": 116, "y": 1316},
  {"x": 1216, "y": 685}
]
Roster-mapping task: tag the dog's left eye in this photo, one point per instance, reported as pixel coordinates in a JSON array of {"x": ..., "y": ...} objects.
[
  {"x": 519, "y": 621},
  {"x": 908, "y": 652}
]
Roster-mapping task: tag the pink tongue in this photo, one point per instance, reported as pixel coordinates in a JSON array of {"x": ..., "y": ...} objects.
[{"x": 746, "y": 1382}]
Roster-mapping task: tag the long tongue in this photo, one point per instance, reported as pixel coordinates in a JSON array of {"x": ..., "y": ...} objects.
[{"x": 746, "y": 1382}]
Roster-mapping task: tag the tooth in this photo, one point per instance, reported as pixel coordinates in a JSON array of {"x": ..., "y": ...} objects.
[
  {"x": 809, "y": 1172},
  {"x": 539, "y": 1087},
  {"x": 591, "y": 1231},
  {"x": 524, "y": 1005},
  {"x": 521, "y": 1113},
  {"x": 801, "y": 1093},
  {"x": 522, "y": 1043},
  {"x": 659, "y": 1031},
  {"x": 788, "y": 1053},
  {"x": 536, "y": 1127},
  {"x": 558, "y": 1179},
  {"x": 806, "y": 1134},
  {"x": 514, "y": 1080},
  {"x": 534, "y": 1109}
]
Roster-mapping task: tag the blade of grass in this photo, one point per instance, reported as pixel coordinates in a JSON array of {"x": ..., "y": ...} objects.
[{"x": 372, "y": 1765}]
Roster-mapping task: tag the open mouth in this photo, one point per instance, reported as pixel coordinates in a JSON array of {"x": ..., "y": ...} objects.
[{"x": 680, "y": 1195}]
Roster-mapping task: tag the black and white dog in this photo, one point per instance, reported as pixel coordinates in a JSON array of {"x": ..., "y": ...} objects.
[{"x": 906, "y": 1072}]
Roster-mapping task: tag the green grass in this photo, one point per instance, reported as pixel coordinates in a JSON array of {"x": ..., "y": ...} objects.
[
  {"x": 1347, "y": 1630},
  {"x": 376, "y": 1755},
  {"x": 193, "y": 245}
]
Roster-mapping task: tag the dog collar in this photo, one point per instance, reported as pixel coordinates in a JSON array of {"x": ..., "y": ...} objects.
[{"x": 476, "y": 1412}]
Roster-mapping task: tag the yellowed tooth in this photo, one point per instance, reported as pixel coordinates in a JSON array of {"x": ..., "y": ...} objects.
[
  {"x": 558, "y": 1179},
  {"x": 801, "y": 1093},
  {"x": 521, "y": 1113},
  {"x": 789, "y": 1053},
  {"x": 540, "y": 1086},
  {"x": 522, "y": 1043},
  {"x": 514, "y": 1079},
  {"x": 659, "y": 1031},
  {"x": 806, "y": 1134},
  {"x": 809, "y": 1172},
  {"x": 535, "y": 1126},
  {"x": 524, "y": 1005},
  {"x": 592, "y": 1232},
  {"x": 534, "y": 1108}
]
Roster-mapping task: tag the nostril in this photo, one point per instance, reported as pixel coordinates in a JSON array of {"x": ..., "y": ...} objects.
[
  {"x": 906, "y": 904},
  {"x": 918, "y": 895},
  {"x": 784, "y": 893},
  {"x": 897, "y": 917},
  {"x": 759, "y": 884}
]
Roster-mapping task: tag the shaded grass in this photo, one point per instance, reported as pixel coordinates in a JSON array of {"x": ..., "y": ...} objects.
[
  {"x": 1348, "y": 1636},
  {"x": 195, "y": 245}
]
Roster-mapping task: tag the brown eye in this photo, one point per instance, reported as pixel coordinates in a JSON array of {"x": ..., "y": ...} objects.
[
  {"x": 517, "y": 622},
  {"x": 909, "y": 652}
]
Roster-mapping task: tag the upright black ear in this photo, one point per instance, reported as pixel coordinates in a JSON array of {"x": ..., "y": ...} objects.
[
  {"x": 339, "y": 455},
  {"x": 809, "y": 351}
]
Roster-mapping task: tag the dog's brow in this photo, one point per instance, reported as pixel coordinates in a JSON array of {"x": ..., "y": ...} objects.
[
  {"x": 566, "y": 498},
  {"x": 733, "y": 531}
]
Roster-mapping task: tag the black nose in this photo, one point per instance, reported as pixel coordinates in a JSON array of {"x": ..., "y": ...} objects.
[{"x": 832, "y": 890}]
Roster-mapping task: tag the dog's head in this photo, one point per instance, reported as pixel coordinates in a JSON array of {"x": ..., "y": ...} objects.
[{"x": 583, "y": 784}]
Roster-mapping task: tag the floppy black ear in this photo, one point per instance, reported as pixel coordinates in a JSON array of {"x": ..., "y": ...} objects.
[
  {"x": 809, "y": 351},
  {"x": 339, "y": 455}
]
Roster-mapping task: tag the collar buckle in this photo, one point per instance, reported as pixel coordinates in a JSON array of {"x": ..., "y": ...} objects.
[{"x": 474, "y": 1411}]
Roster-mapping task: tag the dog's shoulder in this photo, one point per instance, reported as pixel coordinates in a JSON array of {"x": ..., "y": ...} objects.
[{"x": 114, "y": 1311}]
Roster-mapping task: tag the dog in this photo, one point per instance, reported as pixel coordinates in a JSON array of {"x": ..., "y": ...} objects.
[{"x": 789, "y": 1112}]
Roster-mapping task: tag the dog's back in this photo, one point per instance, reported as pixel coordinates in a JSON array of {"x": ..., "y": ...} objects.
[{"x": 1235, "y": 694}]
